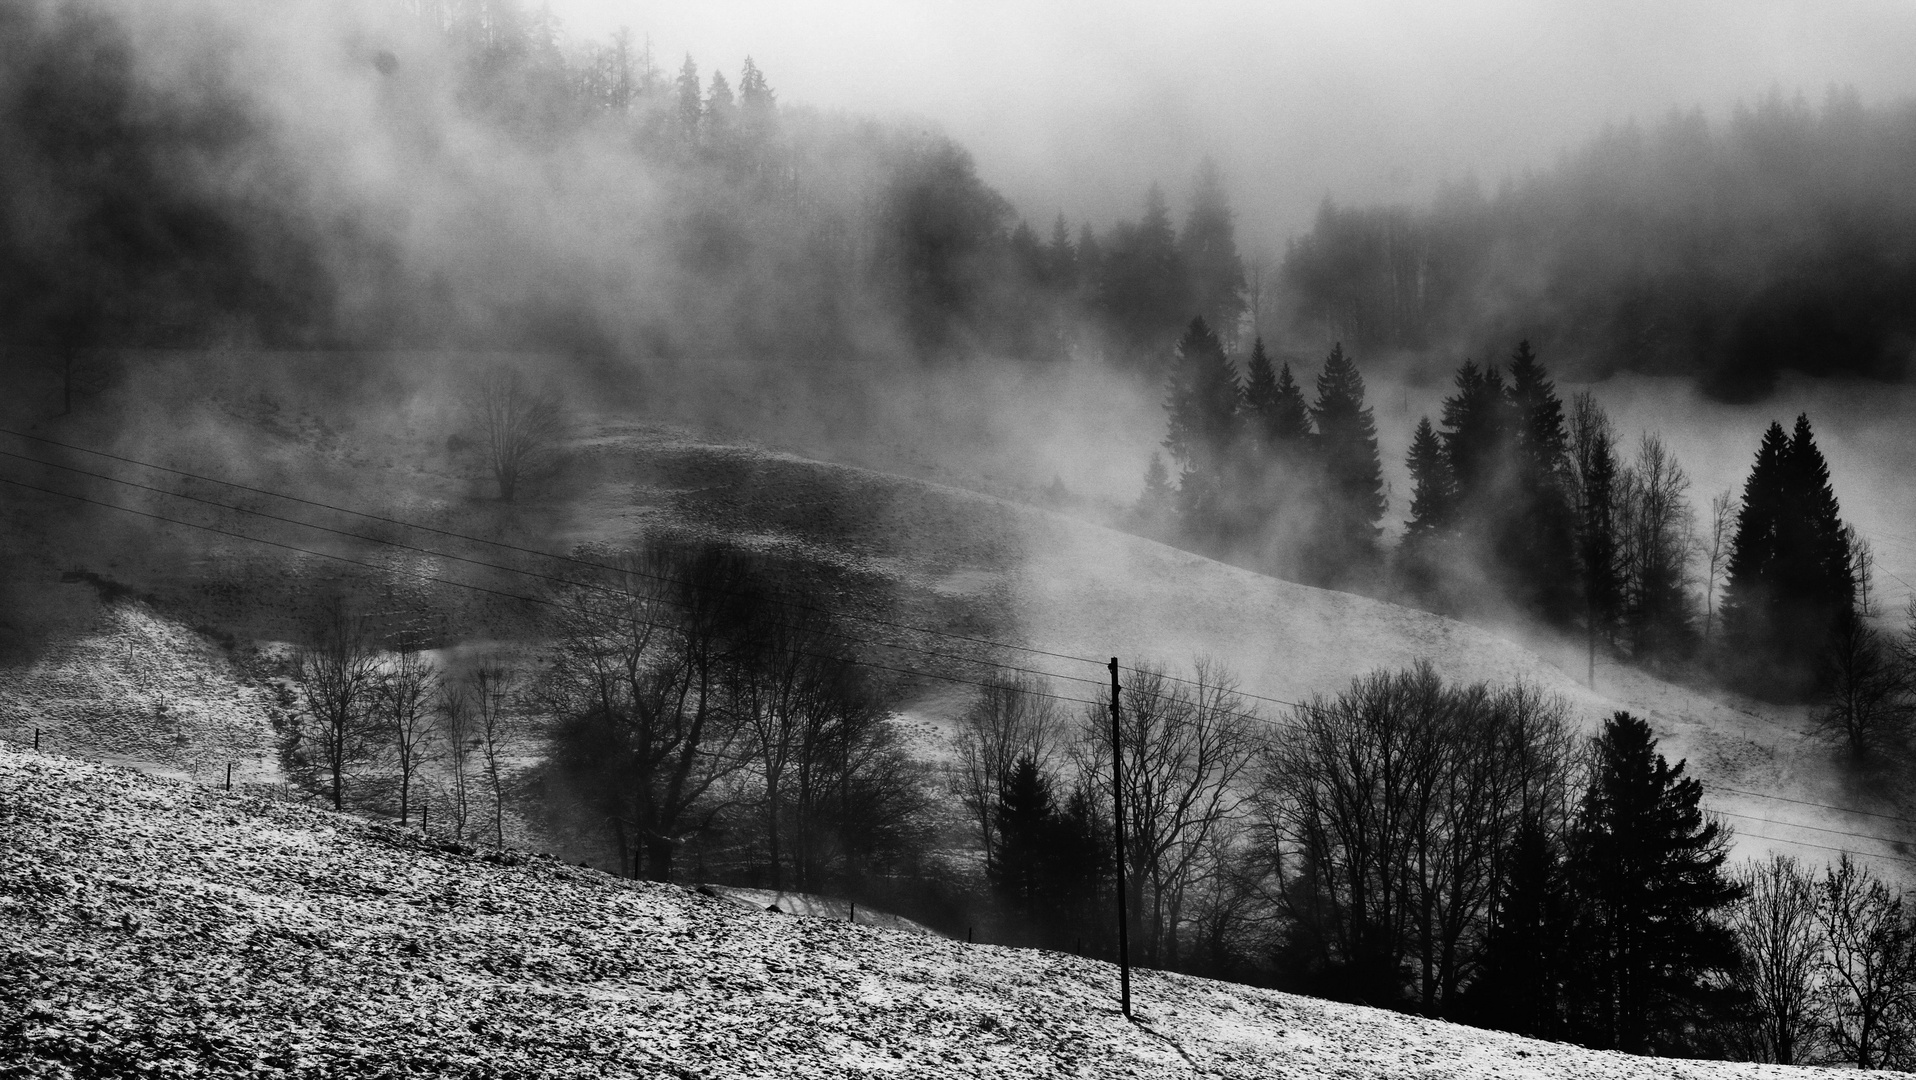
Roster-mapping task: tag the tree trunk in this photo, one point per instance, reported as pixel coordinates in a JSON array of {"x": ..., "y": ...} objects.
[{"x": 658, "y": 858}]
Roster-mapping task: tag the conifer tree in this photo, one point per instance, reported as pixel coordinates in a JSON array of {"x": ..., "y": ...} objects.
[
  {"x": 721, "y": 109},
  {"x": 1061, "y": 259},
  {"x": 1646, "y": 870},
  {"x": 757, "y": 104},
  {"x": 1208, "y": 246},
  {"x": 1527, "y": 948},
  {"x": 691, "y": 100},
  {"x": 1203, "y": 403},
  {"x": 1353, "y": 494},
  {"x": 1476, "y": 432},
  {"x": 1260, "y": 395},
  {"x": 1143, "y": 288},
  {"x": 1433, "y": 493},
  {"x": 1538, "y": 538},
  {"x": 1290, "y": 416},
  {"x": 1597, "y": 540},
  {"x": 1025, "y": 822},
  {"x": 1789, "y": 582}
]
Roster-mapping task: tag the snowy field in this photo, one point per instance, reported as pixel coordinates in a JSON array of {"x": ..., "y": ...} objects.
[{"x": 157, "y": 928}]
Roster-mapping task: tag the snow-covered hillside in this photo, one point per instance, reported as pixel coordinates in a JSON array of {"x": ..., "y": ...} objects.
[
  {"x": 158, "y": 928},
  {"x": 1069, "y": 586}
]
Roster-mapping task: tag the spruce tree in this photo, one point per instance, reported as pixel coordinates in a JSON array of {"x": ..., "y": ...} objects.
[
  {"x": 1526, "y": 949},
  {"x": 1024, "y": 820},
  {"x": 1061, "y": 259},
  {"x": 1816, "y": 573},
  {"x": 1290, "y": 416},
  {"x": 1790, "y": 578},
  {"x": 1537, "y": 540},
  {"x": 1208, "y": 246},
  {"x": 1260, "y": 395},
  {"x": 1353, "y": 492},
  {"x": 691, "y": 101},
  {"x": 1476, "y": 433},
  {"x": 757, "y": 104},
  {"x": 1597, "y": 544},
  {"x": 1433, "y": 493},
  {"x": 1203, "y": 402},
  {"x": 1646, "y": 869}
]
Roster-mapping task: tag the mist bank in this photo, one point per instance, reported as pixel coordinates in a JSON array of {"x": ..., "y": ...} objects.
[{"x": 1781, "y": 240}]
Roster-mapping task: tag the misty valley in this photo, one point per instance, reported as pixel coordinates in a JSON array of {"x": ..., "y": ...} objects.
[{"x": 529, "y": 556}]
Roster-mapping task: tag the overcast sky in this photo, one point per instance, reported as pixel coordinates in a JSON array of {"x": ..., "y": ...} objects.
[{"x": 1078, "y": 105}]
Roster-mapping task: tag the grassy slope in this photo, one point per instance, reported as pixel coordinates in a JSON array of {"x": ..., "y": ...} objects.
[
  {"x": 191, "y": 931},
  {"x": 989, "y": 567}
]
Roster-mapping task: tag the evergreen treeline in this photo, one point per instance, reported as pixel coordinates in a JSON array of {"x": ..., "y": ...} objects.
[
  {"x": 1267, "y": 476},
  {"x": 1784, "y": 239},
  {"x": 629, "y": 207}
]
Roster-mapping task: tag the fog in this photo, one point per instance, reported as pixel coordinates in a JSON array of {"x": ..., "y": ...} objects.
[{"x": 1077, "y": 107}]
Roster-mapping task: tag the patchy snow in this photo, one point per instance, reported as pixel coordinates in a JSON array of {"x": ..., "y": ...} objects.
[
  {"x": 812, "y": 905},
  {"x": 140, "y": 689},
  {"x": 157, "y": 927}
]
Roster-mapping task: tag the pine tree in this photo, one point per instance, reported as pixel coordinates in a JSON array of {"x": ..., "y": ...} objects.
[
  {"x": 1538, "y": 537},
  {"x": 1260, "y": 395},
  {"x": 1816, "y": 571},
  {"x": 1143, "y": 289},
  {"x": 1353, "y": 492},
  {"x": 757, "y": 104},
  {"x": 1476, "y": 433},
  {"x": 1526, "y": 950},
  {"x": 1646, "y": 870},
  {"x": 1433, "y": 493},
  {"x": 1025, "y": 823},
  {"x": 691, "y": 100},
  {"x": 1204, "y": 406},
  {"x": 1291, "y": 417},
  {"x": 1790, "y": 578},
  {"x": 720, "y": 119},
  {"x": 1208, "y": 246},
  {"x": 1597, "y": 542},
  {"x": 1061, "y": 259}
]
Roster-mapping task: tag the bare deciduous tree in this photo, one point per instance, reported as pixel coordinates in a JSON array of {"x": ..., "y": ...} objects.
[
  {"x": 1008, "y": 719},
  {"x": 458, "y": 736},
  {"x": 1864, "y": 706},
  {"x": 1781, "y": 938},
  {"x": 1870, "y": 969},
  {"x": 1385, "y": 815},
  {"x": 637, "y": 690},
  {"x": 338, "y": 673},
  {"x": 490, "y": 687},
  {"x": 1654, "y": 542},
  {"x": 408, "y": 682},
  {"x": 520, "y": 427},
  {"x": 1185, "y": 746}
]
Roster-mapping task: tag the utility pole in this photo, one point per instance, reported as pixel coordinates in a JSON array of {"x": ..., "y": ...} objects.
[{"x": 1117, "y": 820}]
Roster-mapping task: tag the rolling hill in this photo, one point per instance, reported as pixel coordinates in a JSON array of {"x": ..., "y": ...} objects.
[{"x": 154, "y": 927}]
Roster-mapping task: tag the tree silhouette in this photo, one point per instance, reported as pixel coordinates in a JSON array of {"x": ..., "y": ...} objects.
[{"x": 1646, "y": 867}]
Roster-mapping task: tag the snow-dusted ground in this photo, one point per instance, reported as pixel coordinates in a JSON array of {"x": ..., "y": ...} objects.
[
  {"x": 141, "y": 689},
  {"x": 164, "y": 929},
  {"x": 1068, "y": 586},
  {"x": 812, "y": 905}
]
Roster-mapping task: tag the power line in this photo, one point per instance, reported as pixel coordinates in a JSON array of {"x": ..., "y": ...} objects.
[
  {"x": 1812, "y": 828},
  {"x": 528, "y": 573},
  {"x": 1804, "y": 802},
  {"x": 570, "y": 559},
  {"x": 1827, "y": 847},
  {"x": 926, "y": 674},
  {"x": 532, "y": 551},
  {"x": 501, "y": 592}
]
